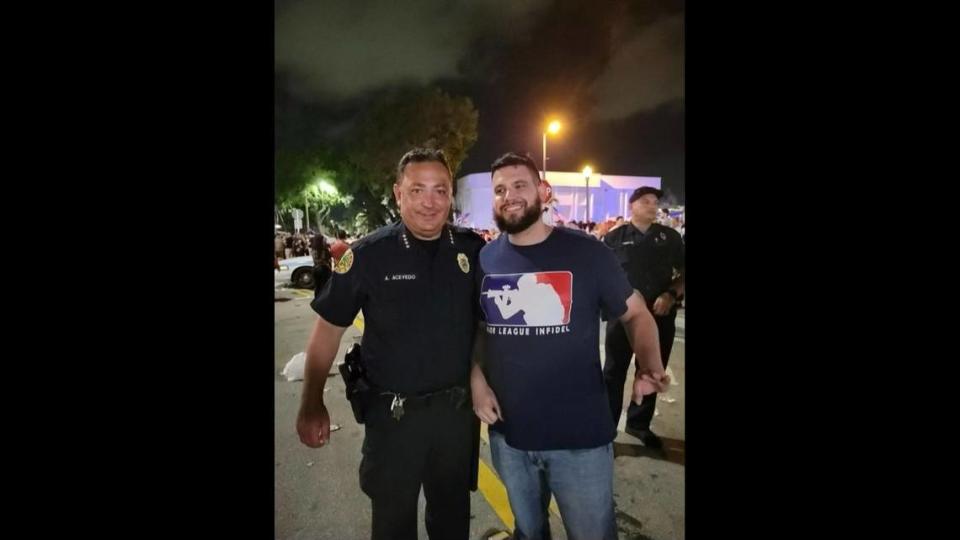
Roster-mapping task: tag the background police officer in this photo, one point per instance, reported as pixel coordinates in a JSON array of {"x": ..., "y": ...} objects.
[
  {"x": 653, "y": 257},
  {"x": 414, "y": 281},
  {"x": 320, "y": 251}
]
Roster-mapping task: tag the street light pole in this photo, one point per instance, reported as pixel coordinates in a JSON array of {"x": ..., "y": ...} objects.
[
  {"x": 587, "y": 171},
  {"x": 552, "y": 128},
  {"x": 544, "y": 155}
]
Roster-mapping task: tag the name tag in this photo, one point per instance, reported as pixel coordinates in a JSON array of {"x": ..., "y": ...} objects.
[{"x": 400, "y": 277}]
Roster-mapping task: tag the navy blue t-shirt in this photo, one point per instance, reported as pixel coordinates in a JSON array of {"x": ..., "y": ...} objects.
[{"x": 542, "y": 305}]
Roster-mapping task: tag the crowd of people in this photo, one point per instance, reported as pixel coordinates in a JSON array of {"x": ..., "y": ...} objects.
[
  {"x": 599, "y": 230},
  {"x": 288, "y": 245}
]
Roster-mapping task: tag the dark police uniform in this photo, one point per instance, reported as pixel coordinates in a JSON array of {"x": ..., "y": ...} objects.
[
  {"x": 649, "y": 261},
  {"x": 419, "y": 307}
]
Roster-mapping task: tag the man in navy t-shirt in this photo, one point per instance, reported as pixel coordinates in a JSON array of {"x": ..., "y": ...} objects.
[{"x": 542, "y": 292}]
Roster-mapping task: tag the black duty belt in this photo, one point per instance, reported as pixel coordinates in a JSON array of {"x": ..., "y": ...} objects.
[{"x": 400, "y": 403}]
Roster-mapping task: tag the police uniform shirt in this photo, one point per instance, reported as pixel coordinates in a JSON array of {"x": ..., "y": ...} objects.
[
  {"x": 419, "y": 309},
  {"x": 649, "y": 259}
]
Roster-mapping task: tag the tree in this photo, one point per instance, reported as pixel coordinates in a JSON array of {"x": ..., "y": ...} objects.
[
  {"x": 298, "y": 176},
  {"x": 395, "y": 123},
  {"x": 362, "y": 163},
  {"x": 296, "y": 169}
]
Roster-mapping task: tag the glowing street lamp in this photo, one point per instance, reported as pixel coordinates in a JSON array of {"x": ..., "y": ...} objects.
[{"x": 327, "y": 187}]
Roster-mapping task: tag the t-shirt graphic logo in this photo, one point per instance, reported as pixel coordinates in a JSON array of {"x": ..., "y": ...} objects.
[{"x": 531, "y": 299}]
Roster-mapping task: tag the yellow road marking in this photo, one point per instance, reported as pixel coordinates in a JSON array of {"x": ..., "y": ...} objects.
[
  {"x": 495, "y": 493},
  {"x": 358, "y": 321}
]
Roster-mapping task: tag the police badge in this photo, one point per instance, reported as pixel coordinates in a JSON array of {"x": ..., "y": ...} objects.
[{"x": 463, "y": 262}]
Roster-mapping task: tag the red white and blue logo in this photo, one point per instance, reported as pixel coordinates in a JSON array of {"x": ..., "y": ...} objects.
[{"x": 531, "y": 299}]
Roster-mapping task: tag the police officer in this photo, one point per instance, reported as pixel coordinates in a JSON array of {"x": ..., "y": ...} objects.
[
  {"x": 414, "y": 281},
  {"x": 653, "y": 257}
]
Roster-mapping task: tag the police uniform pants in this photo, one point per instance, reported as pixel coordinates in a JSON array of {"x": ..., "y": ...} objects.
[
  {"x": 430, "y": 446},
  {"x": 618, "y": 357}
]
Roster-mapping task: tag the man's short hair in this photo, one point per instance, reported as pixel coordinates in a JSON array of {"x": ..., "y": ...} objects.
[
  {"x": 512, "y": 158},
  {"x": 420, "y": 155}
]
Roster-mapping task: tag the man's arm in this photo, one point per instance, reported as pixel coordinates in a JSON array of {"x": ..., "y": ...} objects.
[
  {"x": 679, "y": 266},
  {"x": 665, "y": 301},
  {"x": 678, "y": 283},
  {"x": 641, "y": 331},
  {"x": 485, "y": 403},
  {"x": 313, "y": 421}
]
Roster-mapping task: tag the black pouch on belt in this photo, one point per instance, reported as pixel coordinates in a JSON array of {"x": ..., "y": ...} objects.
[{"x": 355, "y": 377}]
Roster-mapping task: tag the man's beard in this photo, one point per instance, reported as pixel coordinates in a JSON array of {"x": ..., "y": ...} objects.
[{"x": 528, "y": 218}]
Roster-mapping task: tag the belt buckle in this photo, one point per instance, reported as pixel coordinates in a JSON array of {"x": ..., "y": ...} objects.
[{"x": 396, "y": 407}]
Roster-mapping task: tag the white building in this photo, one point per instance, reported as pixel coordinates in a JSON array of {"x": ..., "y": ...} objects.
[{"x": 609, "y": 196}]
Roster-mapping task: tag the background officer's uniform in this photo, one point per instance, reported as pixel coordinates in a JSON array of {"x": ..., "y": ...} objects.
[
  {"x": 419, "y": 306},
  {"x": 649, "y": 259}
]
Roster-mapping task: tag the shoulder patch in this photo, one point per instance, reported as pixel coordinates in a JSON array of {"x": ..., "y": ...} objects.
[{"x": 345, "y": 262}]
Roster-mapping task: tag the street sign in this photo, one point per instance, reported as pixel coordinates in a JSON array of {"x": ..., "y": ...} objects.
[{"x": 297, "y": 213}]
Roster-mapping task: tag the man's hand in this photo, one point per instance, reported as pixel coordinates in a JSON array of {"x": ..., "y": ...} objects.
[
  {"x": 646, "y": 383},
  {"x": 663, "y": 304},
  {"x": 314, "y": 427},
  {"x": 313, "y": 421},
  {"x": 485, "y": 403}
]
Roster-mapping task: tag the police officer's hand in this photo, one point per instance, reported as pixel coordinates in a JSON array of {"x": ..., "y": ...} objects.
[
  {"x": 485, "y": 403},
  {"x": 649, "y": 383},
  {"x": 663, "y": 304},
  {"x": 314, "y": 427}
]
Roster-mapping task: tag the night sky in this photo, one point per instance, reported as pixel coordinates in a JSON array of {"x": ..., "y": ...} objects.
[{"x": 611, "y": 71}]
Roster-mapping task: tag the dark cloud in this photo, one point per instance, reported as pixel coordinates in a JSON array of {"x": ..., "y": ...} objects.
[
  {"x": 645, "y": 71},
  {"x": 336, "y": 49},
  {"x": 604, "y": 59}
]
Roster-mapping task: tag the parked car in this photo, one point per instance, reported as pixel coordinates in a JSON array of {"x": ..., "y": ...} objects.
[{"x": 297, "y": 271}]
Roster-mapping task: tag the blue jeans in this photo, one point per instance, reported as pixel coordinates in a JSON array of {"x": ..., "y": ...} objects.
[{"x": 581, "y": 480}]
